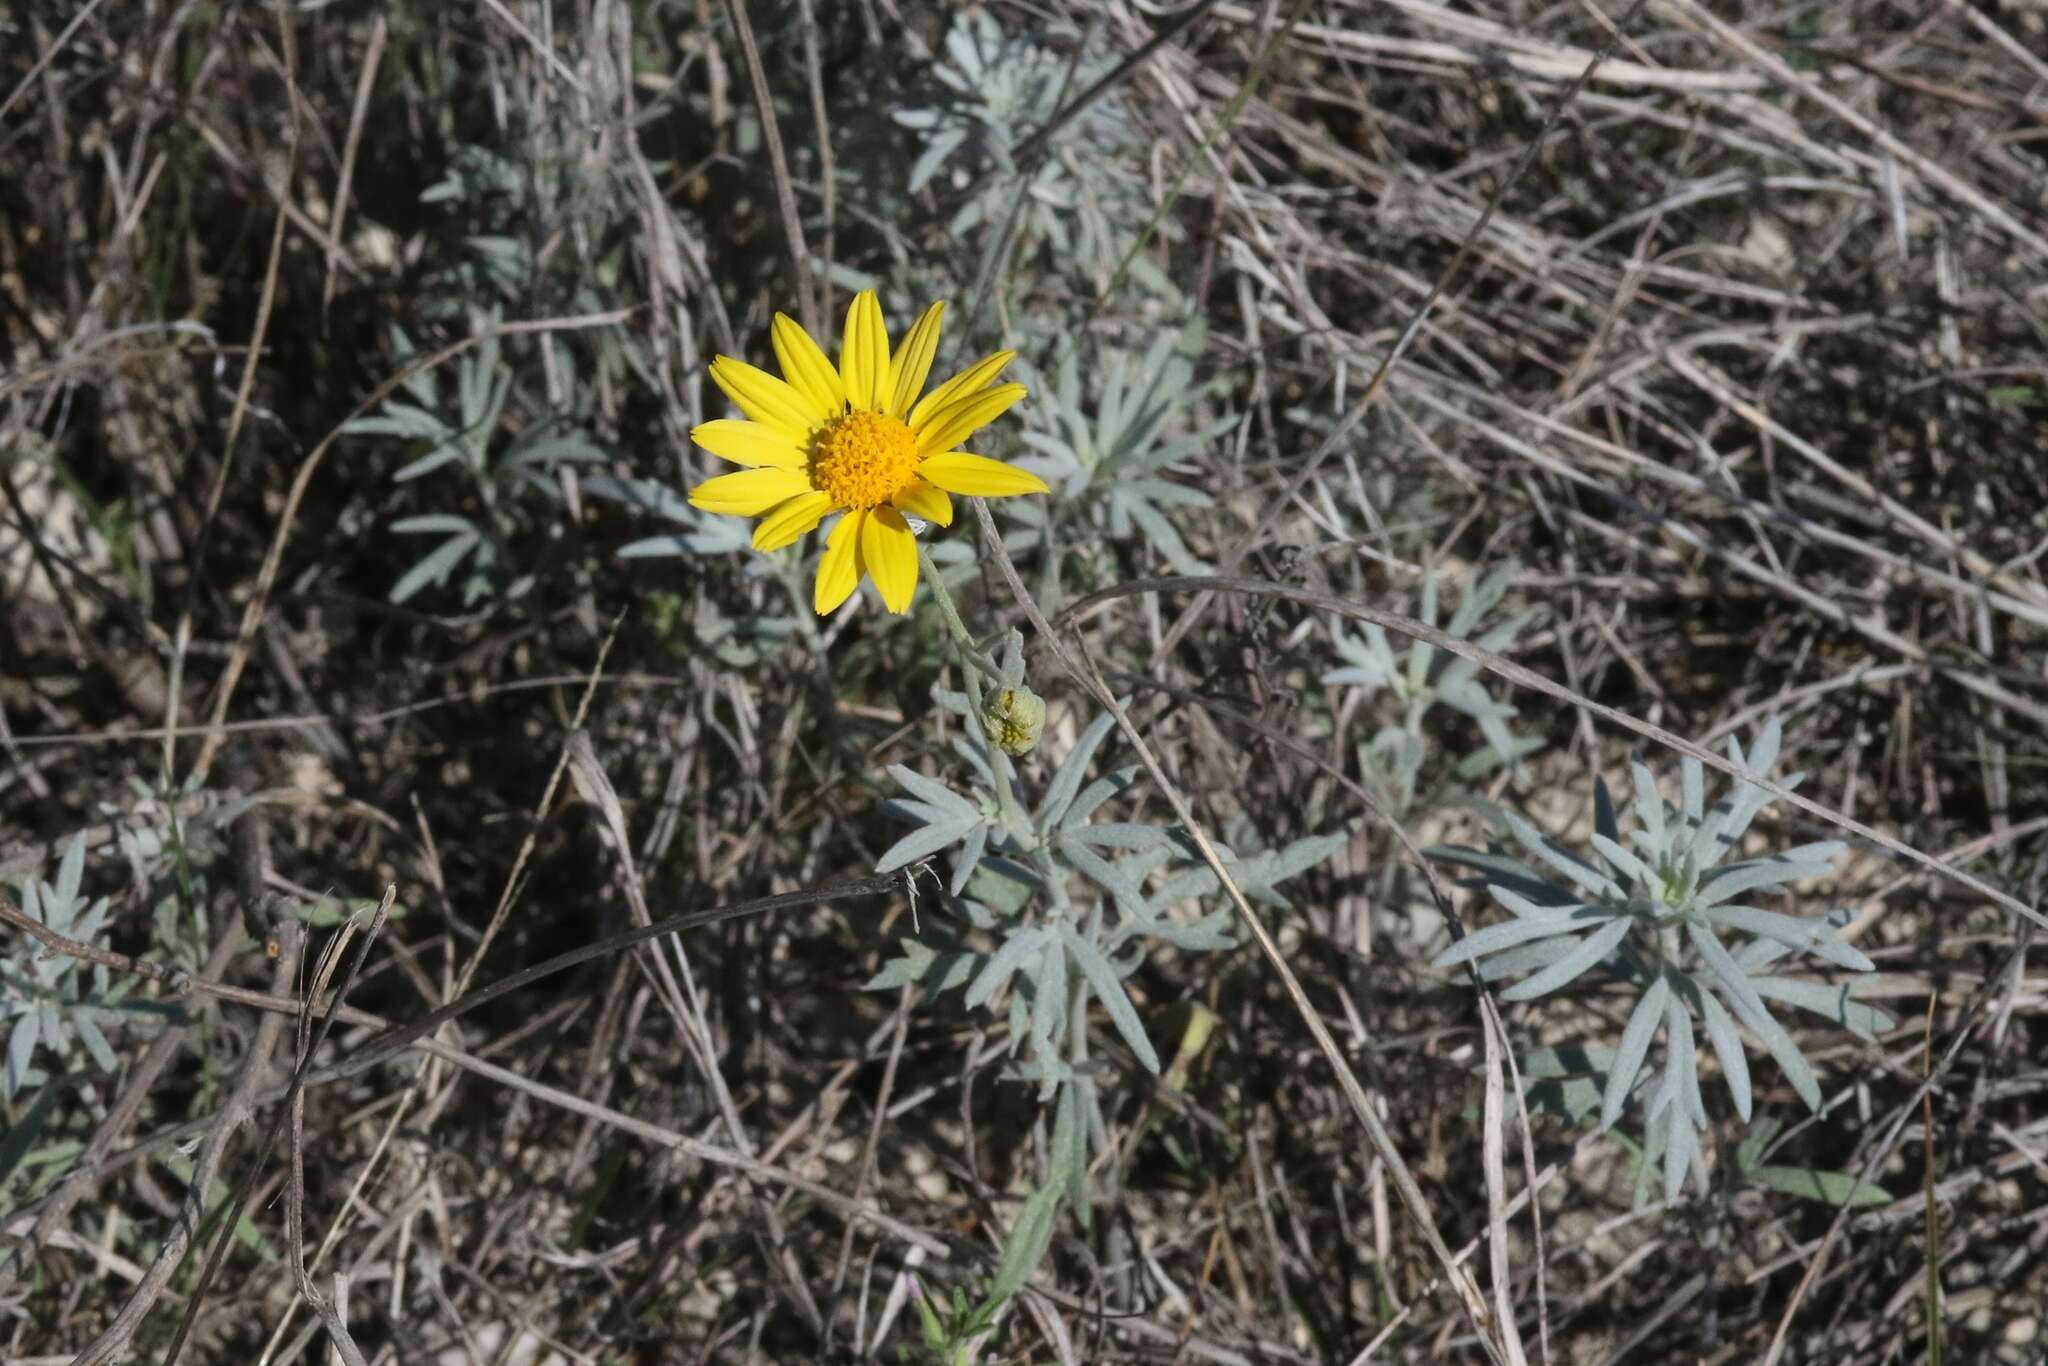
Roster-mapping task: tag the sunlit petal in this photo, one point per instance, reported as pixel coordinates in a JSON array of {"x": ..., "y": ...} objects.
[
  {"x": 890, "y": 553},
  {"x": 864, "y": 351},
  {"x": 748, "y": 443},
  {"x": 960, "y": 419},
  {"x": 912, "y": 363},
  {"x": 807, "y": 368},
  {"x": 838, "y": 571},
  {"x": 750, "y": 492},
  {"x": 977, "y": 476},
  {"x": 795, "y": 517},
  {"x": 926, "y": 501},
  {"x": 763, "y": 397},
  {"x": 977, "y": 376}
]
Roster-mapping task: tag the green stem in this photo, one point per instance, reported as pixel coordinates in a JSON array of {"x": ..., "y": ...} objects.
[{"x": 973, "y": 663}]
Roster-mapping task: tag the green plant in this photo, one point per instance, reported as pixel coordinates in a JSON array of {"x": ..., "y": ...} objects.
[
  {"x": 1654, "y": 917},
  {"x": 57, "y": 1003},
  {"x": 1060, "y": 907},
  {"x": 505, "y": 478},
  {"x": 1419, "y": 678},
  {"x": 1109, "y": 453}
]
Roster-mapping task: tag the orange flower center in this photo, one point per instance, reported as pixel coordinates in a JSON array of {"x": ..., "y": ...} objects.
[{"x": 863, "y": 459}]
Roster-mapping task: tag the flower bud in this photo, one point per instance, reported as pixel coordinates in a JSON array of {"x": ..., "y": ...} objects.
[{"x": 1015, "y": 717}]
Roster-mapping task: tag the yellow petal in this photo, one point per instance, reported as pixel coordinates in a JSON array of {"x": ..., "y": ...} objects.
[
  {"x": 960, "y": 419},
  {"x": 748, "y": 443},
  {"x": 927, "y": 501},
  {"x": 975, "y": 377},
  {"x": 912, "y": 363},
  {"x": 806, "y": 367},
  {"x": 765, "y": 398},
  {"x": 864, "y": 351},
  {"x": 977, "y": 476},
  {"x": 749, "y": 492},
  {"x": 890, "y": 555},
  {"x": 838, "y": 572},
  {"x": 795, "y": 517}
]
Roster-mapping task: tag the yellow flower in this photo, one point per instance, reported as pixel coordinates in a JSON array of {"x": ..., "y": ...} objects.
[{"x": 856, "y": 438}]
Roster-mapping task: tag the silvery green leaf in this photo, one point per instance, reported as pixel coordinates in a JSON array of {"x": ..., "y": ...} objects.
[
  {"x": 552, "y": 450},
  {"x": 1709, "y": 840},
  {"x": 1758, "y": 953},
  {"x": 909, "y": 967},
  {"x": 1725, "y": 969},
  {"x": 1006, "y": 886},
  {"x": 971, "y": 851},
  {"x": 1513, "y": 902},
  {"x": 1682, "y": 1056},
  {"x": 88, "y": 924},
  {"x": 1764, "y": 756},
  {"x": 1130, "y": 897},
  {"x": 1744, "y": 877},
  {"x": 1502, "y": 871},
  {"x": 1198, "y": 936},
  {"x": 1508, "y": 933},
  {"x": 934, "y": 791},
  {"x": 916, "y": 813},
  {"x": 1527, "y": 958},
  {"x": 1060, "y": 792},
  {"x": 401, "y": 420},
  {"x": 1692, "y": 783},
  {"x": 1681, "y": 1145},
  {"x": 1372, "y": 659},
  {"x": 69, "y": 871},
  {"x": 1096, "y": 793},
  {"x": 1015, "y": 952},
  {"x": 1829, "y": 999},
  {"x": 1745, "y": 803},
  {"x": 922, "y": 844},
  {"x": 974, "y": 753},
  {"x": 95, "y": 1042},
  {"x": 1164, "y": 538},
  {"x": 21, "y": 1047},
  {"x": 1649, "y": 808},
  {"x": 1103, "y": 979},
  {"x": 1828, "y": 1187},
  {"x": 1727, "y": 1047},
  {"x": 1029, "y": 1238},
  {"x": 1260, "y": 875},
  {"x": 1498, "y": 639},
  {"x": 1049, "y": 994},
  {"x": 645, "y": 494},
  {"x": 1639, "y": 874},
  {"x": 1069, "y": 1154},
  {"x": 663, "y": 547},
  {"x": 1821, "y": 854},
  {"x": 1591, "y": 950},
  {"x": 1012, "y": 674},
  {"x": 1186, "y": 885},
  {"x": 1579, "y": 872},
  {"x": 432, "y": 522},
  {"x": 1779, "y": 1045},
  {"x": 1812, "y": 936},
  {"x": 435, "y": 568},
  {"x": 1116, "y": 835},
  {"x": 1634, "y": 1047}
]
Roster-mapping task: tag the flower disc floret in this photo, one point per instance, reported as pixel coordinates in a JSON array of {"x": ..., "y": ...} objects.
[{"x": 863, "y": 460}]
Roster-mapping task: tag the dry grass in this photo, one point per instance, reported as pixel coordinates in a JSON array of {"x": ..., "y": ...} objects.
[{"x": 1749, "y": 367}]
